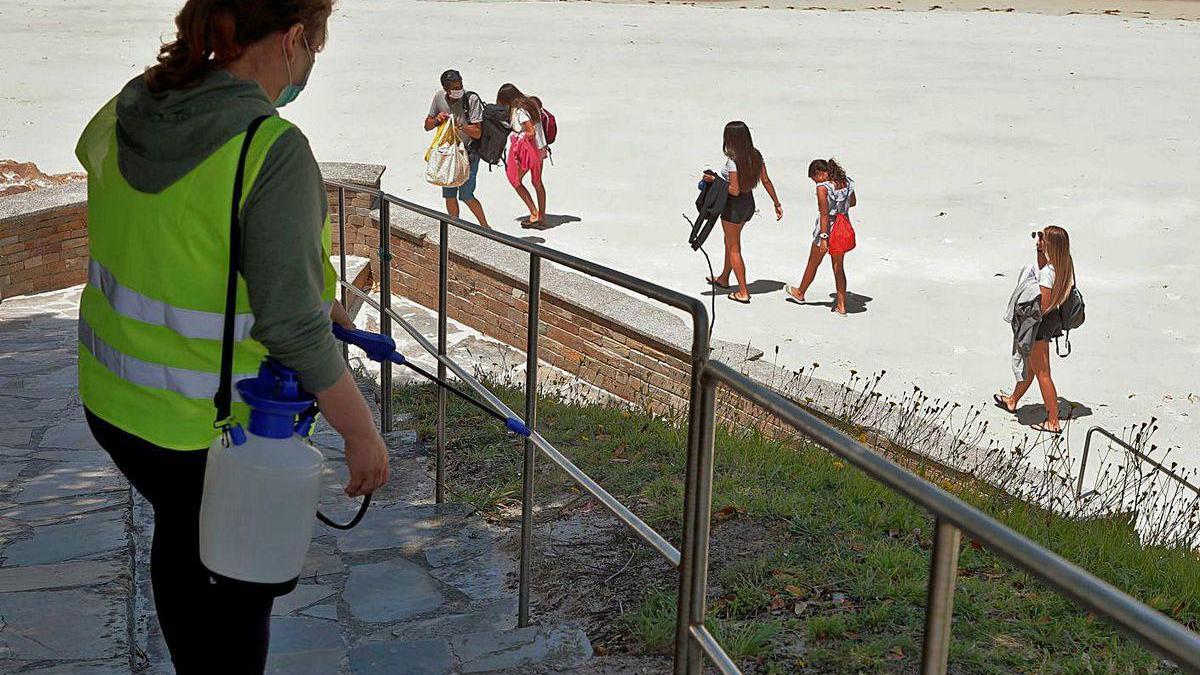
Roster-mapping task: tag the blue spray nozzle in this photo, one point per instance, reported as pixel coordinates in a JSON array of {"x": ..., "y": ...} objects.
[
  {"x": 378, "y": 347},
  {"x": 517, "y": 427},
  {"x": 275, "y": 399}
]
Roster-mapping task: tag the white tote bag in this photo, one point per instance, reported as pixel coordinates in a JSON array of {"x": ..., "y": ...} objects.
[{"x": 446, "y": 160}]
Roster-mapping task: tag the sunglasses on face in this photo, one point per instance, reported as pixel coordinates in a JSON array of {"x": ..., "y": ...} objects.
[{"x": 1035, "y": 235}]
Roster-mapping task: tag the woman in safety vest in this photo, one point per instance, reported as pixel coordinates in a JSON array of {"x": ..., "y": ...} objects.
[{"x": 161, "y": 159}]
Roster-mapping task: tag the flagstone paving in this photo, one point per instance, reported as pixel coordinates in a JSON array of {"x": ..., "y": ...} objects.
[{"x": 417, "y": 587}]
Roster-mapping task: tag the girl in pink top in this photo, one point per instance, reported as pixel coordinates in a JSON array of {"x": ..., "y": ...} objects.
[{"x": 526, "y": 149}]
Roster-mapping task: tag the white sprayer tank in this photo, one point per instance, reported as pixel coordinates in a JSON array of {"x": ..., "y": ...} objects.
[{"x": 260, "y": 495}]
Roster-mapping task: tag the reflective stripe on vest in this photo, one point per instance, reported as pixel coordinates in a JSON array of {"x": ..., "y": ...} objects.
[
  {"x": 195, "y": 384},
  {"x": 187, "y": 322}
]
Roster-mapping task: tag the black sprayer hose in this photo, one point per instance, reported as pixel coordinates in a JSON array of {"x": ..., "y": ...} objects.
[{"x": 362, "y": 511}]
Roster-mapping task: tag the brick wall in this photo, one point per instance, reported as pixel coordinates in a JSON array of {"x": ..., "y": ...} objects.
[{"x": 43, "y": 240}]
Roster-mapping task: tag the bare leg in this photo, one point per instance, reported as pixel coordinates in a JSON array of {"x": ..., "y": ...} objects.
[
  {"x": 1039, "y": 361},
  {"x": 523, "y": 192},
  {"x": 733, "y": 248},
  {"x": 540, "y": 188},
  {"x": 815, "y": 255},
  {"x": 477, "y": 208},
  {"x": 1022, "y": 387},
  {"x": 839, "y": 281},
  {"x": 723, "y": 277},
  {"x": 452, "y": 207}
]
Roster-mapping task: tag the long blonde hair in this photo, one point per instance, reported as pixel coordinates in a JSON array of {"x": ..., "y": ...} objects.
[{"x": 1056, "y": 244}]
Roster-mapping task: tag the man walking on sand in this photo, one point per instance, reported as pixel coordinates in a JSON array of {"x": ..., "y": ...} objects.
[{"x": 467, "y": 109}]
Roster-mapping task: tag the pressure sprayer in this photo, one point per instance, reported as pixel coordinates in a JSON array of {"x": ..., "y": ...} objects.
[{"x": 262, "y": 483}]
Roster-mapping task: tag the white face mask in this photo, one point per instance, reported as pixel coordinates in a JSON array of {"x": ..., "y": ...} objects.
[{"x": 455, "y": 94}]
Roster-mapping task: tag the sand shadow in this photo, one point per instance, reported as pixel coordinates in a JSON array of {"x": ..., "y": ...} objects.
[
  {"x": 756, "y": 287},
  {"x": 1035, "y": 413},
  {"x": 549, "y": 221},
  {"x": 856, "y": 303}
]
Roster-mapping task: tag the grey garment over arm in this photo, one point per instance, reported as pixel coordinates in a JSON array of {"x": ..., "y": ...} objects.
[{"x": 1024, "y": 313}]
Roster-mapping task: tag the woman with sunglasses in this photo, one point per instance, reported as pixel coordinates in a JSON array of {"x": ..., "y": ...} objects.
[{"x": 1056, "y": 279}]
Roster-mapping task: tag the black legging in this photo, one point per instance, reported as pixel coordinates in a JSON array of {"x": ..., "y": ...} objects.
[{"x": 209, "y": 626}]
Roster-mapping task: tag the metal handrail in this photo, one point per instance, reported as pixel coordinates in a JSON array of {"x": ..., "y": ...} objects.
[
  {"x": 1087, "y": 446},
  {"x": 692, "y": 640}
]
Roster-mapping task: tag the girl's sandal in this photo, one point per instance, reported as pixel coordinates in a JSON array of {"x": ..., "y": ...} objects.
[
  {"x": 791, "y": 291},
  {"x": 733, "y": 297},
  {"x": 714, "y": 282},
  {"x": 1002, "y": 403},
  {"x": 1041, "y": 426}
]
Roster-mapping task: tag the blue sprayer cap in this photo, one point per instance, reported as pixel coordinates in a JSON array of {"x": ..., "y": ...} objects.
[{"x": 275, "y": 399}]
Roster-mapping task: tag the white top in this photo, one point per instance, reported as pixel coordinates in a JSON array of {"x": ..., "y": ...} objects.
[
  {"x": 517, "y": 121},
  {"x": 1046, "y": 276},
  {"x": 729, "y": 167}
]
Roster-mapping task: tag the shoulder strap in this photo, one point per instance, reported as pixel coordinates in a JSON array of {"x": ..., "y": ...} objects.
[{"x": 224, "y": 397}]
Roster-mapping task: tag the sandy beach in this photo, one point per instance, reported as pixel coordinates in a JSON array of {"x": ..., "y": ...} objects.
[{"x": 963, "y": 129}]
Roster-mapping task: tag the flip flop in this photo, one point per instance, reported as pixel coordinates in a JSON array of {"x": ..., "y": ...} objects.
[
  {"x": 744, "y": 301},
  {"x": 1041, "y": 426},
  {"x": 1002, "y": 405},
  {"x": 714, "y": 282},
  {"x": 788, "y": 288}
]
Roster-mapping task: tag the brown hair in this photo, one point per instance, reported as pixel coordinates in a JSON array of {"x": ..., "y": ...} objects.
[
  {"x": 739, "y": 146},
  {"x": 830, "y": 166},
  {"x": 1056, "y": 244},
  {"x": 509, "y": 96},
  {"x": 211, "y": 34}
]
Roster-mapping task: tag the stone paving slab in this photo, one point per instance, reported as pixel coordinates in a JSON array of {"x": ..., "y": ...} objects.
[
  {"x": 63, "y": 624},
  {"x": 83, "y": 537},
  {"x": 62, "y": 575},
  {"x": 424, "y": 657}
]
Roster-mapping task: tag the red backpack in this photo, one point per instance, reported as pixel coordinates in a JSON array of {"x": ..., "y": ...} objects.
[{"x": 549, "y": 126}]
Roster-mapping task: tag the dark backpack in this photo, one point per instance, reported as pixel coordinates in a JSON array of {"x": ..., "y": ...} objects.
[
  {"x": 1071, "y": 315},
  {"x": 493, "y": 139}
]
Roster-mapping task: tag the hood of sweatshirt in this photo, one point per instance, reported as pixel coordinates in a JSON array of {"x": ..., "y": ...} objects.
[{"x": 161, "y": 137}]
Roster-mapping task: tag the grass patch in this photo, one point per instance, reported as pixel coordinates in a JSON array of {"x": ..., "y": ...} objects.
[{"x": 844, "y": 572}]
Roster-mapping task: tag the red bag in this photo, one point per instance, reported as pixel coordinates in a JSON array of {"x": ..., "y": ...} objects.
[
  {"x": 549, "y": 126},
  {"x": 841, "y": 239}
]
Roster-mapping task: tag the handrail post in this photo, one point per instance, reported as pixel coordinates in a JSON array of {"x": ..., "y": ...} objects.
[
  {"x": 385, "y": 321},
  {"x": 1087, "y": 446},
  {"x": 939, "y": 608},
  {"x": 702, "y": 518},
  {"x": 685, "y": 648},
  {"x": 531, "y": 385},
  {"x": 342, "y": 257},
  {"x": 439, "y": 488}
]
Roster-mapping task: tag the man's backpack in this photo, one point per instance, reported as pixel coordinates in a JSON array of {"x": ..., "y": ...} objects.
[
  {"x": 1071, "y": 315},
  {"x": 493, "y": 139}
]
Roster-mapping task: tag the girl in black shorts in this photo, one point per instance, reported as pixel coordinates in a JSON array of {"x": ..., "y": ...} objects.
[{"x": 744, "y": 169}]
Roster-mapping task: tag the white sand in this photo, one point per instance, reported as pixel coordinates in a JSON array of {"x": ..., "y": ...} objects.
[{"x": 1001, "y": 121}]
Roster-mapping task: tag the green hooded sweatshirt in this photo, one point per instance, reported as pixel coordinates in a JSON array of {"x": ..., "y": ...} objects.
[{"x": 161, "y": 137}]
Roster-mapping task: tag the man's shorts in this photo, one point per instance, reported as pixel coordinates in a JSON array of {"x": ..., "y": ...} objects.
[{"x": 466, "y": 191}]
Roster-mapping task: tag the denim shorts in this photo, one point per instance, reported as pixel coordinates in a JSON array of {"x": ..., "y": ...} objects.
[{"x": 466, "y": 191}]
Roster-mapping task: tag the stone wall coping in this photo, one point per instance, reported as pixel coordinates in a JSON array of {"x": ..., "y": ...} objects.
[
  {"x": 639, "y": 315},
  {"x": 352, "y": 172},
  {"x": 24, "y": 204}
]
